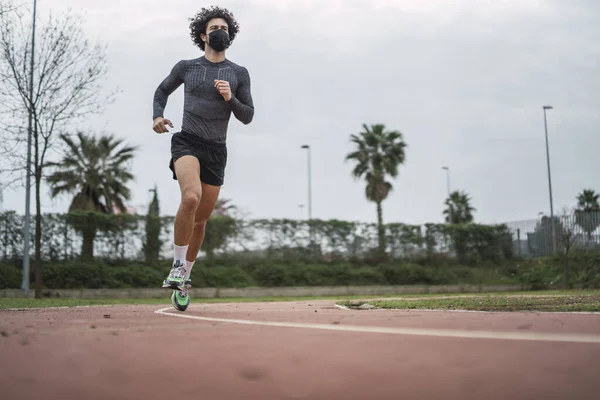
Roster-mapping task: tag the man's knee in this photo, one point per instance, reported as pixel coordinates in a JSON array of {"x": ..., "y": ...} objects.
[{"x": 190, "y": 199}]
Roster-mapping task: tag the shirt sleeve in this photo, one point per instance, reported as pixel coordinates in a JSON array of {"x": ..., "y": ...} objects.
[
  {"x": 166, "y": 87},
  {"x": 241, "y": 102}
]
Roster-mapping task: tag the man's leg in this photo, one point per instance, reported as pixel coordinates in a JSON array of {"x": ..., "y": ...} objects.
[
  {"x": 210, "y": 194},
  {"x": 187, "y": 170}
]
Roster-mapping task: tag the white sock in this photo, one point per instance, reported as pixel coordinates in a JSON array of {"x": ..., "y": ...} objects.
[
  {"x": 180, "y": 252},
  {"x": 188, "y": 269}
]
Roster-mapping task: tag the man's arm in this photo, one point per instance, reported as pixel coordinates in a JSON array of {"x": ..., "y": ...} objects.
[
  {"x": 166, "y": 87},
  {"x": 241, "y": 103}
]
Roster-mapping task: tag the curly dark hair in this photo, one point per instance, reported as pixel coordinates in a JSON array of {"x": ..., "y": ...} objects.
[{"x": 200, "y": 21}]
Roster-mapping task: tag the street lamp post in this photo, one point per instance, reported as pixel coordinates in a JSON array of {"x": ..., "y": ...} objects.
[
  {"x": 549, "y": 181},
  {"x": 27, "y": 233},
  {"x": 448, "y": 189},
  {"x": 447, "y": 179},
  {"x": 307, "y": 147}
]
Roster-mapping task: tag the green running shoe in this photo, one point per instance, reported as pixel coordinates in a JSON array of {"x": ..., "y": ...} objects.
[{"x": 180, "y": 299}]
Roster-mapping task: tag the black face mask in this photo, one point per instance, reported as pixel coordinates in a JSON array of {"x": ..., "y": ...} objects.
[{"x": 218, "y": 40}]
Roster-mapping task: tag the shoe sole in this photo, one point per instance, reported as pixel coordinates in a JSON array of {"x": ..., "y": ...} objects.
[{"x": 173, "y": 285}]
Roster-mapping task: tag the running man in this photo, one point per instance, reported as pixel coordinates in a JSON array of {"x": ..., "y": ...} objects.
[{"x": 214, "y": 89}]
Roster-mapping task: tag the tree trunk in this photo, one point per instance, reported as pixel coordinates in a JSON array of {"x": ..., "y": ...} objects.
[
  {"x": 87, "y": 246},
  {"x": 38, "y": 235},
  {"x": 380, "y": 229},
  {"x": 566, "y": 274},
  {"x": 566, "y": 271}
]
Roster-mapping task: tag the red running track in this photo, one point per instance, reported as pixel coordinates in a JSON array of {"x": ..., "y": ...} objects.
[{"x": 137, "y": 353}]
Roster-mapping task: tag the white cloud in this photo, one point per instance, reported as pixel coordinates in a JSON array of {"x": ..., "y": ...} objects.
[{"x": 328, "y": 8}]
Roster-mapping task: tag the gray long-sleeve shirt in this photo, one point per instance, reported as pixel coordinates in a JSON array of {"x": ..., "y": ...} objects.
[{"x": 205, "y": 111}]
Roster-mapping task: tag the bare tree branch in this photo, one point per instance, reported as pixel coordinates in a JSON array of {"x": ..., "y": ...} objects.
[
  {"x": 6, "y": 6},
  {"x": 67, "y": 86},
  {"x": 68, "y": 77},
  {"x": 14, "y": 179}
]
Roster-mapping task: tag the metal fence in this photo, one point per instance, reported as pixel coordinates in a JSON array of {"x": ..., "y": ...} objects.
[
  {"x": 539, "y": 237},
  {"x": 530, "y": 238}
]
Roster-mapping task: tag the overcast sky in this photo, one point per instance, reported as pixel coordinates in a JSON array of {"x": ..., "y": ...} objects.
[{"x": 464, "y": 81}]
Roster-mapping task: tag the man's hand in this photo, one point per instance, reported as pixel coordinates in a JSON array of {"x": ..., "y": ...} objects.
[
  {"x": 224, "y": 89},
  {"x": 159, "y": 125}
]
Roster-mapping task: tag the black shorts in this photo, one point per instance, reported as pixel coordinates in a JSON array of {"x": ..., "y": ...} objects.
[{"x": 212, "y": 156}]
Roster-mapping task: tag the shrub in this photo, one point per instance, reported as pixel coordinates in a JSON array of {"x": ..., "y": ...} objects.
[
  {"x": 10, "y": 277},
  {"x": 220, "y": 277},
  {"x": 541, "y": 274}
]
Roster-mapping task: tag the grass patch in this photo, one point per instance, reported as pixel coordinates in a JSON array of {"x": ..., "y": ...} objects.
[
  {"x": 564, "y": 302},
  {"x": 66, "y": 302},
  {"x": 42, "y": 303},
  {"x": 405, "y": 302}
]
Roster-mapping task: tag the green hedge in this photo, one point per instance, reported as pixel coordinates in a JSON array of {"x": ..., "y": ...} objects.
[
  {"x": 10, "y": 277},
  {"x": 76, "y": 275},
  {"x": 135, "y": 238},
  {"x": 229, "y": 272}
]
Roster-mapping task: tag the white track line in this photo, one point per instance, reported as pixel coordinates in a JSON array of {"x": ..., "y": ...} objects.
[
  {"x": 341, "y": 307},
  {"x": 531, "y": 336}
]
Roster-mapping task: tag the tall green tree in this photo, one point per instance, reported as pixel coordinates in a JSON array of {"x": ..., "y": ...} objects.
[
  {"x": 378, "y": 154},
  {"x": 152, "y": 242},
  {"x": 96, "y": 172},
  {"x": 587, "y": 214},
  {"x": 458, "y": 208}
]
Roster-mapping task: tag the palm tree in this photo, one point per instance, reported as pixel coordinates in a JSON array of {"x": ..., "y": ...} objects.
[
  {"x": 458, "y": 208},
  {"x": 95, "y": 170},
  {"x": 587, "y": 213},
  {"x": 378, "y": 153}
]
